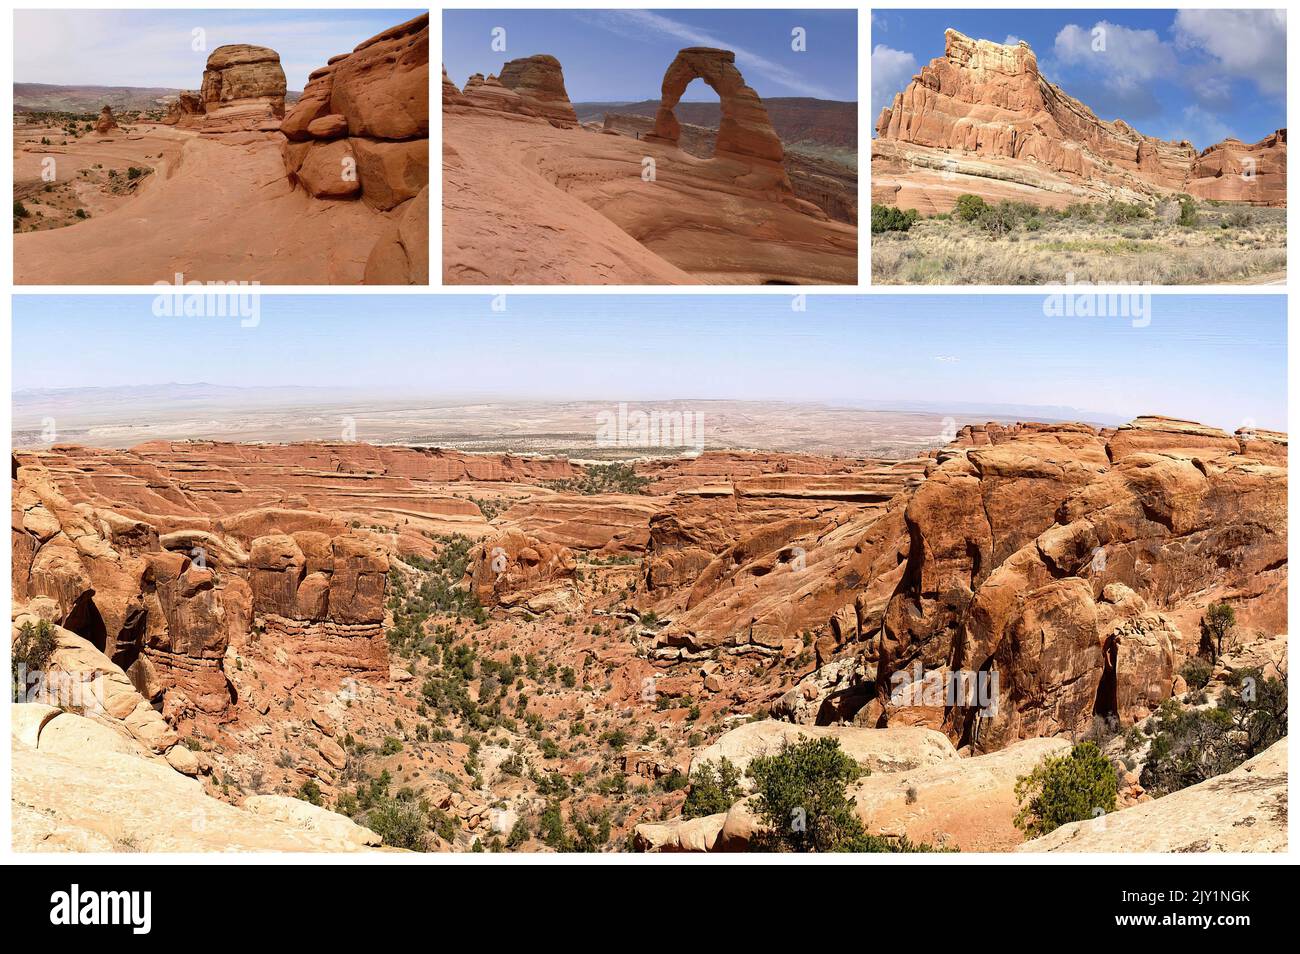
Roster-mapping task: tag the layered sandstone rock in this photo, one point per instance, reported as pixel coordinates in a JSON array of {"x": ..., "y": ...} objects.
[
  {"x": 243, "y": 89},
  {"x": 539, "y": 82},
  {"x": 510, "y": 569},
  {"x": 361, "y": 130},
  {"x": 185, "y": 110},
  {"x": 165, "y": 610},
  {"x": 982, "y": 119},
  {"x": 1072, "y": 563}
]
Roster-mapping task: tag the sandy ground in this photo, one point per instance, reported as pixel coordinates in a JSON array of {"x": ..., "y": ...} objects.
[{"x": 216, "y": 209}]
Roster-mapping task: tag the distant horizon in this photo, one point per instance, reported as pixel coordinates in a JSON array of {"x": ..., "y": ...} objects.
[{"x": 1184, "y": 359}]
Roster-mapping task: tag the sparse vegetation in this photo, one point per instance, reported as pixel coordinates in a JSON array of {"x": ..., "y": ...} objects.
[
  {"x": 1079, "y": 785},
  {"x": 1177, "y": 241},
  {"x": 714, "y": 789},
  {"x": 802, "y": 798},
  {"x": 33, "y": 648},
  {"x": 603, "y": 479},
  {"x": 1192, "y": 745}
]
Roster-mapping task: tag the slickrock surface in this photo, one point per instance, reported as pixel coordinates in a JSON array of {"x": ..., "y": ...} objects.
[
  {"x": 1243, "y": 810},
  {"x": 982, "y": 119},
  {"x": 531, "y": 197},
  {"x": 97, "y": 799}
]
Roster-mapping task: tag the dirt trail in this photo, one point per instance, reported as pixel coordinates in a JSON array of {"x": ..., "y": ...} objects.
[{"x": 221, "y": 210}]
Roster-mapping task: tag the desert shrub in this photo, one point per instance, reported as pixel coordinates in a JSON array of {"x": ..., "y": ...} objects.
[
  {"x": 1189, "y": 746},
  {"x": 1216, "y": 629},
  {"x": 1063, "y": 789},
  {"x": 803, "y": 799},
  {"x": 969, "y": 207},
  {"x": 603, "y": 479},
  {"x": 713, "y": 789},
  {"x": 1187, "y": 215},
  {"x": 401, "y": 823},
  {"x": 20, "y": 211},
  {"x": 1122, "y": 212},
  {"x": 1196, "y": 673},
  {"x": 1237, "y": 219},
  {"x": 999, "y": 219},
  {"x": 391, "y": 746},
  {"x": 887, "y": 218},
  {"x": 1078, "y": 210},
  {"x": 1033, "y": 224},
  {"x": 32, "y": 651},
  {"x": 309, "y": 791}
]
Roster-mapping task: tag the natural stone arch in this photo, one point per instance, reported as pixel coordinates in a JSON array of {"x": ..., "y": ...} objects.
[{"x": 745, "y": 130}]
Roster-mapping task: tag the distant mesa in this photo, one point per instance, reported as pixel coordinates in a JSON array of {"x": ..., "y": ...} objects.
[{"x": 983, "y": 120}]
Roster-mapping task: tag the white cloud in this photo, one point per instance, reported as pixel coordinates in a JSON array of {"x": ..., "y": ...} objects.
[
  {"x": 891, "y": 70},
  {"x": 1011, "y": 40},
  {"x": 635, "y": 23},
  {"x": 1199, "y": 127},
  {"x": 1244, "y": 43},
  {"x": 154, "y": 48},
  {"x": 1122, "y": 58}
]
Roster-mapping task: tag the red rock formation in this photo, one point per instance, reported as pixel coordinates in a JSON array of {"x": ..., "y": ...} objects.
[
  {"x": 243, "y": 89},
  {"x": 105, "y": 124},
  {"x": 982, "y": 119},
  {"x": 539, "y": 82},
  {"x": 745, "y": 129},
  {"x": 1075, "y": 563},
  {"x": 186, "y": 110},
  {"x": 361, "y": 130},
  {"x": 511, "y": 569}
]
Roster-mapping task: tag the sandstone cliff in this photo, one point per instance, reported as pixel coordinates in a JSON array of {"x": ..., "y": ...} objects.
[
  {"x": 982, "y": 119},
  {"x": 361, "y": 131}
]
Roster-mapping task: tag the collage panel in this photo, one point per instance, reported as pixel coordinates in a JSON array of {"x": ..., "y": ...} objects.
[
  {"x": 1103, "y": 146},
  {"x": 221, "y": 147},
  {"x": 537, "y": 599},
  {"x": 973, "y": 553},
  {"x": 650, "y": 147}
]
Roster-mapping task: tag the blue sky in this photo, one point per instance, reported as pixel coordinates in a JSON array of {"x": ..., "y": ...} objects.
[
  {"x": 1201, "y": 75},
  {"x": 155, "y": 47},
  {"x": 1220, "y": 360},
  {"x": 621, "y": 55}
]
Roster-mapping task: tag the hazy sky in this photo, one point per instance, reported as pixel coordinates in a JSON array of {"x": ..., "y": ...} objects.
[
  {"x": 1200, "y": 75},
  {"x": 621, "y": 55},
  {"x": 156, "y": 47},
  {"x": 1220, "y": 360}
]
